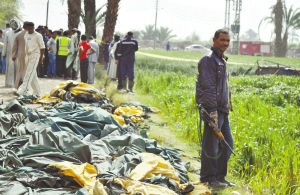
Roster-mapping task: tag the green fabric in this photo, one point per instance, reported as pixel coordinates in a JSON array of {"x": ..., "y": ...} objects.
[{"x": 32, "y": 139}]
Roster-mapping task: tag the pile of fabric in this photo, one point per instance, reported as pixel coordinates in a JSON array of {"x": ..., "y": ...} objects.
[{"x": 79, "y": 148}]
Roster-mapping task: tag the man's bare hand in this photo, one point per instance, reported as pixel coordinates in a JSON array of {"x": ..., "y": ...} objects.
[
  {"x": 14, "y": 58},
  {"x": 214, "y": 115},
  {"x": 117, "y": 61}
]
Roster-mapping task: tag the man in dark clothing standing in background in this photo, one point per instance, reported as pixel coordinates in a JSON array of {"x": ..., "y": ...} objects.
[
  {"x": 212, "y": 92},
  {"x": 126, "y": 57}
]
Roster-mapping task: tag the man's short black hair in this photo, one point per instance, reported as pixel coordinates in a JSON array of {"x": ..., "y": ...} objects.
[
  {"x": 66, "y": 33},
  {"x": 30, "y": 24},
  {"x": 1, "y": 31},
  {"x": 7, "y": 25},
  {"x": 218, "y": 32},
  {"x": 130, "y": 34},
  {"x": 83, "y": 37},
  {"x": 91, "y": 37},
  {"x": 25, "y": 24}
]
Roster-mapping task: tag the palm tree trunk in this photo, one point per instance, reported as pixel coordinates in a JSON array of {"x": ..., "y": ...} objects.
[
  {"x": 278, "y": 12},
  {"x": 74, "y": 9},
  {"x": 90, "y": 17},
  {"x": 110, "y": 23}
]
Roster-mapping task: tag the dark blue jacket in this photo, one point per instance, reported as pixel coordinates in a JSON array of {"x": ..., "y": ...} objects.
[
  {"x": 212, "y": 89},
  {"x": 126, "y": 50}
]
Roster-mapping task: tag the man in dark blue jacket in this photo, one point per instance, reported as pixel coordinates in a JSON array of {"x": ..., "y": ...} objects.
[
  {"x": 212, "y": 92},
  {"x": 125, "y": 54}
]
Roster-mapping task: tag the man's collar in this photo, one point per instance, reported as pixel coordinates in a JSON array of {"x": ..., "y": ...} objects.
[{"x": 218, "y": 52}]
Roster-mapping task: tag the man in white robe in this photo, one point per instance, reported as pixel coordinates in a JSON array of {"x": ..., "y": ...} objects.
[{"x": 10, "y": 73}]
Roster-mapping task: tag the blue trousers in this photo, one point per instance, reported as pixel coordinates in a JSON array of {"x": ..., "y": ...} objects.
[
  {"x": 3, "y": 68},
  {"x": 215, "y": 155},
  {"x": 127, "y": 68},
  {"x": 52, "y": 65}
]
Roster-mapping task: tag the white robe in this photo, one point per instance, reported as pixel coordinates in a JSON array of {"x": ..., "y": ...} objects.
[
  {"x": 112, "y": 68},
  {"x": 10, "y": 73}
]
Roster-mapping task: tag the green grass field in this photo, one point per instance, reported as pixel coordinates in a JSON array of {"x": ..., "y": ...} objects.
[
  {"x": 245, "y": 60},
  {"x": 265, "y": 120}
]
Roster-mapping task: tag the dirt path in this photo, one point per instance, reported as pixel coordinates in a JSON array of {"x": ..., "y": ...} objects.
[
  {"x": 181, "y": 59},
  {"x": 7, "y": 94}
]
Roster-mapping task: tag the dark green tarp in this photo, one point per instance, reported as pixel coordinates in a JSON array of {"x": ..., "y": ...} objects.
[{"x": 32, "y": 139}]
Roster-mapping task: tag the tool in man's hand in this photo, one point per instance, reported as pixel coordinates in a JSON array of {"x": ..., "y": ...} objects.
[{"x": 204, "y": 114}]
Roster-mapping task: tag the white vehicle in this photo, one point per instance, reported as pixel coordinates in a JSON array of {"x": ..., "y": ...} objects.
[{"x": 198, "y": 48}]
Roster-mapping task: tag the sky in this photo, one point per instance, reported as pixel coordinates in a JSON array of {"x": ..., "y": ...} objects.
[{"x": 183, "y": 17}]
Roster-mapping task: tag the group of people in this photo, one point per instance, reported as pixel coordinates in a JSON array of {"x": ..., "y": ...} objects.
[
  {"x": 119, "y": 56},
  {"x": 28, "y": 53}
]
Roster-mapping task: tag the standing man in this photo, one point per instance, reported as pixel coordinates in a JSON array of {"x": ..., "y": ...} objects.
[
  {"x": 126, "y": 57},
  {"x": 112, "y": 68},
  {"x": 11, "y": 66},
  {"x": 72, "y": 59},
  {"x": 1, "y": 47},
  {"x": 83, "y": 56},
  {"x": 212, "y": 92},
  {"x": 19, "y": 55},
  {"x": 51, "y": 46},
  {"x": 93, "y": 59},
  {"x": 63, "y": 44},
  {"x": 106, "y": 52},
  {"x": 34, "y": 49},
  {"x": 3, "y": 69}
]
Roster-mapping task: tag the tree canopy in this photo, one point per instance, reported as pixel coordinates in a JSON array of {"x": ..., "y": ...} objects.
[{"x": 9, "y": 9}]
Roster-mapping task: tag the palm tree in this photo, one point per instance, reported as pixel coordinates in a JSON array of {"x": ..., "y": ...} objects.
[
  {"x": 74, "y": 10},
  {"x": 89, "y": 17},
  {"x": 110, "y": 23},
  {"x": 284, "y": 21},
  {"x": 164, "y": 34},
  {"x": 92, "y": 17},
  {"x": 149, "y": 33}
]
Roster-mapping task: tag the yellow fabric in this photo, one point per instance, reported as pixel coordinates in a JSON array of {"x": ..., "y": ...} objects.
[
  {"x": 119, "y": 119},
  {"x": 84, "y": 174},
  {"x": 153, "y": 165},
  {"x": 134, "y": 187},
  {"x": 84, "y": 88},
  {"x": 47, "y": 99},
  {"x": 75, "y": 88},
  {"x": 199, "y": 188},
  {"x": 130, "y": 111},
  {"x": 63, "y": 46},
  {"x": 98, "y": 189}
]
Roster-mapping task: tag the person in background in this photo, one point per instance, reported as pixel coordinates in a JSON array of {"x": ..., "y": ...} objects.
[
  {"x": 19, "y": 55},
  {"x": 112, "y": 68},
  {"x": 7, "y": 29},
  {"x": 63, "y": 44},
  {"x": 83, "y": 57},
  {"x": 51, "y": 47},
  {"x": 93, "y": 59},
  {"x": 34, "y": 49},
  {"x": 1, "y": 47},
  {"x": 106, "y": 52},
  {"x": 126, "y": 57},
  {"x": 212, "y": 92},
  {"x": 168, "y": 47},
  {"x": 72, "y": 59},
  {"x": 10, "y": 73}
]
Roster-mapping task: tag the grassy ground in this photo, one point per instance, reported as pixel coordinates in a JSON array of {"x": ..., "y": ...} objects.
[
  {"x": 245, "y": 60},
  {"x": 265, "y": 121}
]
